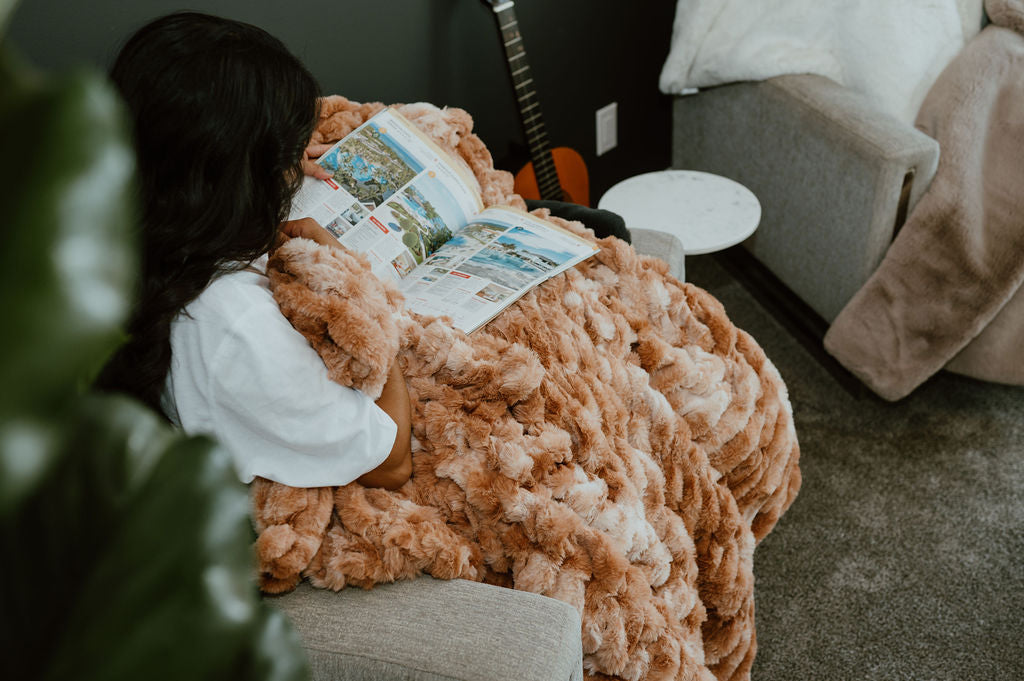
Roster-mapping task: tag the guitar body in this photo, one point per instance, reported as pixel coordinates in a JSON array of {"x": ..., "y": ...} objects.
[{"x": 572, "y": 177}]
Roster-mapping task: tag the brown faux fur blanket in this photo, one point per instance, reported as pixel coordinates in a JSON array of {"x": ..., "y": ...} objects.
[
  {"x": 959, "y": 259},
  {"x": 610, "y": 440}
]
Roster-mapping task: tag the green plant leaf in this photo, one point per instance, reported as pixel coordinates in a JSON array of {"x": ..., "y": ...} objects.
[
  {"x": 6, "y": 10},
  {"x": 132, "y": 560},
  {"x": 68, "y": 261},
  {"x": 127, "y": 546}
]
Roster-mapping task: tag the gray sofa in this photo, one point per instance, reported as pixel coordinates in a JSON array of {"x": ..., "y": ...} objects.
[
  {"x": 428, "y": 629},
  {"x": 835, "y": 177}
]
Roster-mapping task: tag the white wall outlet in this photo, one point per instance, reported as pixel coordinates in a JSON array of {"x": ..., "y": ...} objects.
[{"x": 607, "y": 127}]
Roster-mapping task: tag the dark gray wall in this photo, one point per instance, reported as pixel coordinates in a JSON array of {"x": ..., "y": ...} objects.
[{"x": 583, "y": 53}]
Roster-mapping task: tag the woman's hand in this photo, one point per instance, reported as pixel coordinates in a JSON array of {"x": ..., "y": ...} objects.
[
  {"x": 307, "y": 228},
  {"x": 309, "y": 156}
]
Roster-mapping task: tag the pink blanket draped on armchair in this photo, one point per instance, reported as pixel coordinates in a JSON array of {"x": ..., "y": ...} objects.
[{"x": 948, "y": 292}]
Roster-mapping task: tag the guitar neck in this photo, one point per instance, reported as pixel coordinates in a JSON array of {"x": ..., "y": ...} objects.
[{"x": 527, "y": 101}]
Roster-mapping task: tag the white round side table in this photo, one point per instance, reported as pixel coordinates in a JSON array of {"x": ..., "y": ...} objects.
[{"x": 705, "y": 212}]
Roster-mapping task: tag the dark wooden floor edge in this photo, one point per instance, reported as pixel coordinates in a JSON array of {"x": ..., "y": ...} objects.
[{"x": 802, "y": 322}]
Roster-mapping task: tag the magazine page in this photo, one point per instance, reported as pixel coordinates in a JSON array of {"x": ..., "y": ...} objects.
[
  {"x": 492, "y": 261},
  {"x": 393, "y": 195}
]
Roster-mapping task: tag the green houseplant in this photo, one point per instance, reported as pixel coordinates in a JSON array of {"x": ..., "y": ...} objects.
[{"x": 127, "y": 546}]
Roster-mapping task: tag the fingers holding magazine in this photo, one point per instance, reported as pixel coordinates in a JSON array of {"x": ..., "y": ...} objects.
[
  {"x": 307, "y": 228},
  {"x": 309, "y": 165}
]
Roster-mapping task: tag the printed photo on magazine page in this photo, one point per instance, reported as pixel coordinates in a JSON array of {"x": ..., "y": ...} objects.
[
  {"x": 488, "y": 264},
  {"x": 393, "y": 195}
]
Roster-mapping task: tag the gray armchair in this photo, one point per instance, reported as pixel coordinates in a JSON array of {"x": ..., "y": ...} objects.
[{"x": 835, "y": 176}]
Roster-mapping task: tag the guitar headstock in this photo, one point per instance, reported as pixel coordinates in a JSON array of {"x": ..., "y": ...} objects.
[{"x": 498, "y": 5}]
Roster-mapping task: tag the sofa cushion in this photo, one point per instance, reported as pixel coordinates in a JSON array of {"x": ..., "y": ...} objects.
[{"x": 428, "y": 629}]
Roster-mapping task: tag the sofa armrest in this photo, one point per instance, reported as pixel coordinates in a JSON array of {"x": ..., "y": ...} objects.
[
  {"x": 428, "y": 628},
  {"x": 835, "y": 177},
  {"x": 661, "y": 245}
]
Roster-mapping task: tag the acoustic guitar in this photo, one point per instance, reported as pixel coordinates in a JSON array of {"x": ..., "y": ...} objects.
[{"x": 557, "y": 174}]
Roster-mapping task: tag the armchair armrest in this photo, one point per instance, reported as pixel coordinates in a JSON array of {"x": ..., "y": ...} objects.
[
  {"x": 835, "y": 177},
  {"x": 428, "y": 628}
]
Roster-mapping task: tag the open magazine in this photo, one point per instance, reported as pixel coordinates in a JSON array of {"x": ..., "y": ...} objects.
[{"x": 399, "y": 199}]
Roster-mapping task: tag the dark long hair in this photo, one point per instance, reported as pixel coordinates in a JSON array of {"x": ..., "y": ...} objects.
[{"x": 222, "y": 112}]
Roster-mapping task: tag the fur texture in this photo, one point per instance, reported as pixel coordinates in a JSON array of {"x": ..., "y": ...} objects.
[{"x": 610, "y": 440}]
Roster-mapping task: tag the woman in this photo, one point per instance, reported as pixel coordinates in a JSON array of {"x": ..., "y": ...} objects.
[{"x": 222, "y": 116}]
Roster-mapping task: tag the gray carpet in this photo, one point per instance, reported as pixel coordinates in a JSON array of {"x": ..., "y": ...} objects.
[{"x": 903, "y": 555}]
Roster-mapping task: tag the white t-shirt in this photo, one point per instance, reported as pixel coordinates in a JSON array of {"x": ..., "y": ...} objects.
[{"x": 241, "y": 373}]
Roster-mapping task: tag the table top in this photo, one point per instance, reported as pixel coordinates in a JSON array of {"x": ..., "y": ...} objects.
[{"x": 706, "y": 212}]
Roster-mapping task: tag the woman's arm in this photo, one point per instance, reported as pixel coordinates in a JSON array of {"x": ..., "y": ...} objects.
[
  {"x": 394, "y": 399},
  {"x": 397, "y": 468}
]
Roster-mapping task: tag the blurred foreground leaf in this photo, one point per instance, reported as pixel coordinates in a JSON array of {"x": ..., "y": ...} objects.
[
  {"x": 132, "y": 560},
  {"x": 68, "y": 260},
  {"x": 126, "y": 545}
]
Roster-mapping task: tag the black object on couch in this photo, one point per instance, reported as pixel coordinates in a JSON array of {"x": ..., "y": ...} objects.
[{"x": 603, "y": 222}]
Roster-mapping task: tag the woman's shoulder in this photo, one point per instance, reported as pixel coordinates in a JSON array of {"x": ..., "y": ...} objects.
[
  {"x": 237, "y": 307},
  {"x": 236, "y": 320},
  {"x": 235, "y": 294}
]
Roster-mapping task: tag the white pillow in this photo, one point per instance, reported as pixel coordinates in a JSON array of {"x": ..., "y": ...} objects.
[
  {"x": 970, "y": 17},
  {"x": 891, "y": 51}
]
